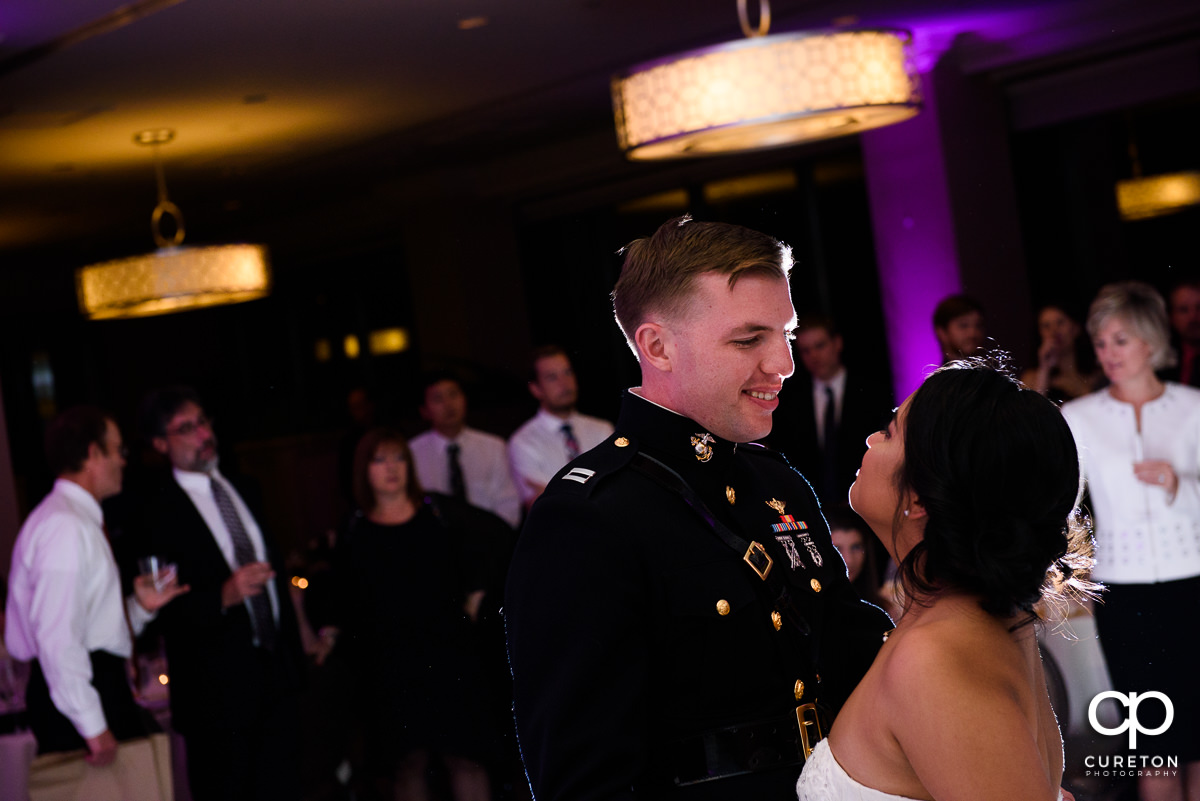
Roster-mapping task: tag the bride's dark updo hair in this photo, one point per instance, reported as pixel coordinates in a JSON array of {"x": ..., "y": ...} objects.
[{"x": 995, "y": 466}]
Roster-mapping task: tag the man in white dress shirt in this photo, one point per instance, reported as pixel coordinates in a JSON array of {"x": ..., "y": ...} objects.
[
  {"x": 826, "y": 412},
  {"x": 456, "y": 460},
  {"x": 557, "y": 433},
  {"x": 65, "y": 610}
]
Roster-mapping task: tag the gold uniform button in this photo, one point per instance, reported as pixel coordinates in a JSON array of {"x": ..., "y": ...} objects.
[
  {"x": 730, "y": 495},
  {"x": 816, "y": 585},
  {"x": 621, "y": 442},
  {"x": 799, "y": 690},
  {"x": 777, "y": 619},
  {"x": 722, "y": 607}
]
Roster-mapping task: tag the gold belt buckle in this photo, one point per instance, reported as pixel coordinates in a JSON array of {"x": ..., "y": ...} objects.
[
  {"x": 810, "y": 724},
  {"x": 756, "y": 553}
]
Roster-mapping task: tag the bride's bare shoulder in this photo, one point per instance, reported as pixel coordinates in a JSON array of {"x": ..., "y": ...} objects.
[{"x": 954, "y": 644}]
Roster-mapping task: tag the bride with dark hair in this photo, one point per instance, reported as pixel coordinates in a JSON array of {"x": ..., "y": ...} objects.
[{"x": 973, "y": 489}]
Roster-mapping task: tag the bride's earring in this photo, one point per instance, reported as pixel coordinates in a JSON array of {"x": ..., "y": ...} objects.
[{"x": 906, "y": 513}]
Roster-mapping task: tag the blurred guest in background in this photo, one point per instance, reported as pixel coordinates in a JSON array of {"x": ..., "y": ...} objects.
[
  {"x": 361, "y": 416},
  {"x": 456, "y": 460},
  {"x": 233, "y": 645},
  {"x": 853, "y": 540},
  {"x": 1139, "y": 443},
  {"x": 826, "y": 413},
  {"x": 1066, "y": 367},
  {"x": 557, "y": 433},
  {"x": 959, "y": 326},
  {"x": 414, "y": 584},
  {"x": 65, "y": 610},
  {"x": 1185, "y": 319}
]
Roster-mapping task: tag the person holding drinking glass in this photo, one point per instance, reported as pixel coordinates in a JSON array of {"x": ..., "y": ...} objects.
[{"x": 1139, "y": 445}]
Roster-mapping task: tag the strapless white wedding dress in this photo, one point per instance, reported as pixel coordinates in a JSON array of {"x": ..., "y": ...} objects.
[{"x": 824, "y": 780}]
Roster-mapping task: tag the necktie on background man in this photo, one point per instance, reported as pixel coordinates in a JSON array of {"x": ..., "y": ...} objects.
[
  {"x": 569, "y": 438},
  {"x": 458, "y": 485},
  {"x": 243, "y": 554},
  {"x": 829, "y": 450}
]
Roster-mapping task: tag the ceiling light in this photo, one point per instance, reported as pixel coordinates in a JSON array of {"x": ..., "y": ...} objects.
[
  {"x": 764, "y": 91},
  {"x": 728, "y": 190},
  {"x": 387, "y": 340},
  {"x": 670, "y": 200},
  {"x": 173, "y": 278},
  {"x": 1157, "y": 195}
]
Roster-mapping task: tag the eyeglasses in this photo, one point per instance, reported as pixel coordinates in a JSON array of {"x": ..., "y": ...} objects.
[{"x": 186, "y": 429}]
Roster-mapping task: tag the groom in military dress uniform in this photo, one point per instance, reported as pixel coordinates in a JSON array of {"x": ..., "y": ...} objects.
[{"x": 679, "y": 623}]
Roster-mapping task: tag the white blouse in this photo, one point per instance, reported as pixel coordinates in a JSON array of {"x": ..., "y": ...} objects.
[{"x": 1143, "y": 535}]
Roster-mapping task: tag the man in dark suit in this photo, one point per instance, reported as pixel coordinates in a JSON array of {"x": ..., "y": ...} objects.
[
  {"x": 826, "y": 414},
  {"x": 233, "y": 645},
  {"x": 1185, "y": 321},
  {"x": 678, "y": 618}
]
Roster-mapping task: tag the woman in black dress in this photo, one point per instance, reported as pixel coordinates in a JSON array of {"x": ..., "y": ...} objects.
[{"x": 412, "y": 591}]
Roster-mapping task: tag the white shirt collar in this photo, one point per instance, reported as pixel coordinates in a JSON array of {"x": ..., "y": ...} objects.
[
  {"x": 442, "y": 440},
  {"x": 77, "y": 494},
  {"x": 837, "y": 383},
  {"x": 552, "y": 422},
  {"x": 638, "y": 391},
  {"x": 192, "y": 480}
]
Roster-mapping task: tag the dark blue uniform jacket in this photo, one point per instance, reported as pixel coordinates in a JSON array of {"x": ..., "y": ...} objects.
[{"x": 634, "y": 630}]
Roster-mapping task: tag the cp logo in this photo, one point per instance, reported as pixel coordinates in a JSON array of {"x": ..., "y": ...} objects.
[{"x": 1131, "y": 722}]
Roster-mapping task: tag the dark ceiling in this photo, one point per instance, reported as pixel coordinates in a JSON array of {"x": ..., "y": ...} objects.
[{"x": 274, "y": 95}]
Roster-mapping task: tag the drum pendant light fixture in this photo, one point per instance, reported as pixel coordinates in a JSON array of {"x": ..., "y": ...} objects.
[
  {"x": 764, "y": 91},
  {"x": 1143, "y": 197},
  {"x": 172, "y": 278}
]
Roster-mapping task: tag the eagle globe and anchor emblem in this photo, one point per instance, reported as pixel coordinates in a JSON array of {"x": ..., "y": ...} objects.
[{"x": 703, "y": 445}]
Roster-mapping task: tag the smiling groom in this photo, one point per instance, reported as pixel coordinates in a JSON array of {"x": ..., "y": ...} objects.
[{"x": 679, "y": 623}]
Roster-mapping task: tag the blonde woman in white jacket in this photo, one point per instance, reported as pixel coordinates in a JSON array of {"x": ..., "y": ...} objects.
[{"x": 1139, "y": 445}]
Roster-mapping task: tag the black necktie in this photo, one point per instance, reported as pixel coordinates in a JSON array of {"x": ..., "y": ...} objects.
[
  {"x": 572, "y": 443},
  {"x": 1194, "y": 375},
  {"x": 458, "y": 486},
  {"x": 243, "y": 554},
  {"x": 829, "y": 450}
]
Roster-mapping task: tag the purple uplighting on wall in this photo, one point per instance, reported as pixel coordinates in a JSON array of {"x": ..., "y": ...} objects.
[{"x": 914, "y": 238}]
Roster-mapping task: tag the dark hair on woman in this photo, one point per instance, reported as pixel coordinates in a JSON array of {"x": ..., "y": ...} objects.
[
  {"x": 842, "y": 517},
  {"x": 1081, "y": 348},
  {"x": 365, "y": 452},
  {"x": 995, "y": 467}
]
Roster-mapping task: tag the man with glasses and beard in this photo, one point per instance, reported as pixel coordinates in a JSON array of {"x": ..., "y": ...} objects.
[{"x": 233, "y": 645}]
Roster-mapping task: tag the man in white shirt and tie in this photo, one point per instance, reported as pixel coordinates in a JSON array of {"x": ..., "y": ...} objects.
[
  {"x": 826, "y": 412},
  {"x": 557, "y": 433},
  {"x": 65, "y": 611},
  {"x": 454, "y": 459}
]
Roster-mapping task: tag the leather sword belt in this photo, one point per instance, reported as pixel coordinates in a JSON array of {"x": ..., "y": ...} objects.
[{"x": 780, "y": 742}]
